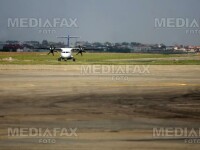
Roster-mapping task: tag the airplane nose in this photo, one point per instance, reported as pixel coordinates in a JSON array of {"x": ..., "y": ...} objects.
[{"x": 65, "y": 55}]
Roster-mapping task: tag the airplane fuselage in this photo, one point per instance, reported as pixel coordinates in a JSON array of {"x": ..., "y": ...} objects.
[{"x": 66, "y": 54}]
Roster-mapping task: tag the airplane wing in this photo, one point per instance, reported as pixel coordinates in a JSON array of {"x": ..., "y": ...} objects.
[
  {"x": 47, "y": 48},
  {"x": 68, "y": 37}
]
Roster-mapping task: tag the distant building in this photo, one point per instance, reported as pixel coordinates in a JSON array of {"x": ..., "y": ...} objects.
[
  {"x": 169, "y": 48},
  {"x": 138, "y": 49},
  {"x": 1, "y": 46},
  {"x": 82, "y": 43},
  {"x": 180, "y": 49},
  {"x": 12, "y": 47},
  {"x": 32, "y": 43}
]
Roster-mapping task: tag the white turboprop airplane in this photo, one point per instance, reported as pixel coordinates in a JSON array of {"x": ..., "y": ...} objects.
[{"x": 66, "y": 54}]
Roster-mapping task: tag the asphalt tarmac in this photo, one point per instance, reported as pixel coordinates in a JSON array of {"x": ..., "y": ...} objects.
[{"x": 102, "y": 107}]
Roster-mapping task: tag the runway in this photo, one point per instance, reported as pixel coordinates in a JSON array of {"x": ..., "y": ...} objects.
[{"x": 110, "y": 111}]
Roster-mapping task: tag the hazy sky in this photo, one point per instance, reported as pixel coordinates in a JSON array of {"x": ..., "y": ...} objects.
[{"x": 103, "y": 20}]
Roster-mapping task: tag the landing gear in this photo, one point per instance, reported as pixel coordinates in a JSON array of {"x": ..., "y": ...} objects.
[
  {"x": 65, "y": 59},
  {"x": 59, "y": 59}
]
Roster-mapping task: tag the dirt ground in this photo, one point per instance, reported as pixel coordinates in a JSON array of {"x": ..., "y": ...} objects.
[{"x": 110, "y": 112}]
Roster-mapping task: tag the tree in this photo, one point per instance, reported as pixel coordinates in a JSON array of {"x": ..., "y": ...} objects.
[
  {"x": 135, "y": 44},
  {"x": 45, "y": 43},
  {"x": 125, "y": 43}
]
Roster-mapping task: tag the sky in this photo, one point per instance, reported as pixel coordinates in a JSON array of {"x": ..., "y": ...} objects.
[{"x": 102, "y": 20}]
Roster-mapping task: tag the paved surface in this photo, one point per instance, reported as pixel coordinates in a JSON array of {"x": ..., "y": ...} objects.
[{"x": 109, "y": 111}]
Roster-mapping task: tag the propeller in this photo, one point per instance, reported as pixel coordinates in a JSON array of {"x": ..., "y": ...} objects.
[
  {"x": 52, "y": 48},
  {"x": 81, "y": 50}
]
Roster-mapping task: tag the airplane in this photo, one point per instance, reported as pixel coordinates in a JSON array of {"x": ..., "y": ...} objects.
[{"x": 66, "y": 53}]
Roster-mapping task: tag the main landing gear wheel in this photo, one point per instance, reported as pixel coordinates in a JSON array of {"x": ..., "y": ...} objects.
[
  {"x": 59, "y": 59},
  {"x": 74, "y": 59}
]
